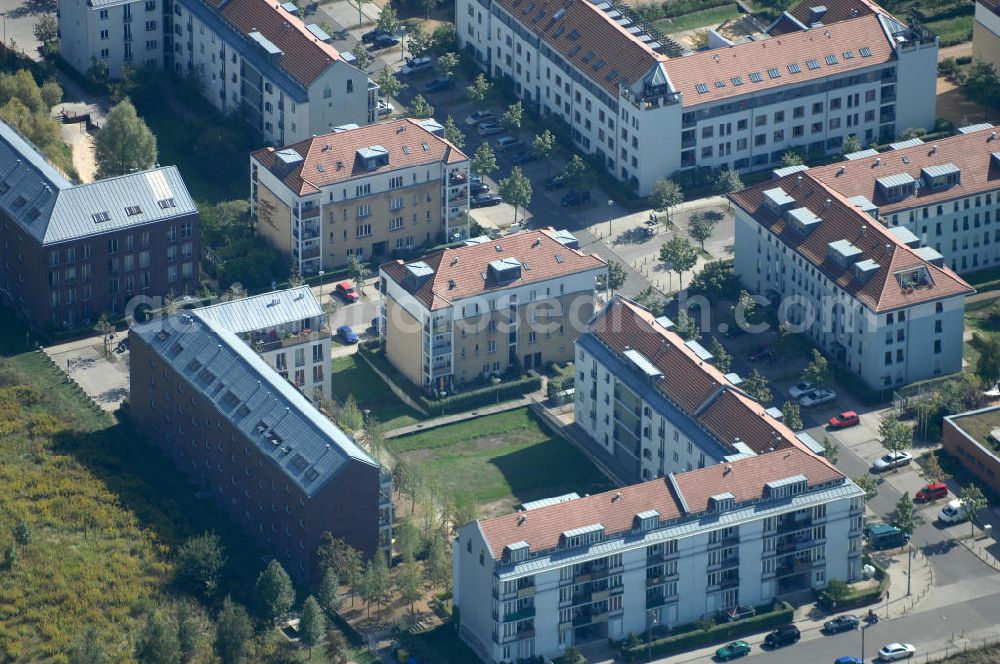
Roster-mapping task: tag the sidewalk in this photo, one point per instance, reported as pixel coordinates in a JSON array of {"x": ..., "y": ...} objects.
[{"x": 461, "y": 417}]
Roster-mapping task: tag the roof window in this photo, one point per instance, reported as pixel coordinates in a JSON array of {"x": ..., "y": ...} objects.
[
  {"x": 755, "y": 77},
  {"x": 701, "y": 88},
  {"x": 848, "y": 55},
  {"x": 865, "y": 52},
  {"x": 794, "y": 68},
  {"x": 574, "y": 34},
  {"x": 166, "y": 203},
  {"x": 737, "y": 80},
  {"x": 774, "y": 73},
  {"x": 101, "y": 217},
  {"x": 812, "y": 64},
  {"x": 720, "y": 84},
  {"x": 133, "y": 210}
]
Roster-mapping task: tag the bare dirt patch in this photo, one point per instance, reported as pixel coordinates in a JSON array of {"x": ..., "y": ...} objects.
[{"x": 954, "y": 107}]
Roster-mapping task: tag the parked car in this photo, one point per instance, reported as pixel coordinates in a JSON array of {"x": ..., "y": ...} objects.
[
  {"x": 785, "y": 635},
  {"x": 523, "y": 157},
  {"x": 892, "y": 460},
  {"x": 932, "y": 491},
  {"x": 953, "y": 512},
  {"x": 346, "y": 334},
  {"x": 385, "y": 107},
  {"x": 882, "y": 536},
  {"x": 848, "y": 418},
  {"x": 893, "y": 651},
  {"x": 376, "y": 325},
  {"x": 847, "y": 659},
  {"x": 844, "y": 623},
  {"x": 479, "y": 188},
  {"x": 438, "y": 84},
  {"x": 383, "y": 41},
  {"x": 485, "y": 200},
  {"x": 370, "y": 36},
  {"x": 479, "y": 116},
  {"x": 507, "y": 143},
  {"x": 345, "y": 290},
  {"x": 800, "y": 390},
  {"x": 416, "y": 65},
  {"x": 817, "y": 397},
  {"x": 574, "y": 198},
  {"x": 555, "y": 182},
  {"x": 490, "y": 129},
  {"x": 732, "y": 651},
  {"x": 765, "y": 353}
]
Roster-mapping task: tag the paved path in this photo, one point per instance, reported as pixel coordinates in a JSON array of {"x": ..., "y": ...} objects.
[{"x": 461, "y": 417}]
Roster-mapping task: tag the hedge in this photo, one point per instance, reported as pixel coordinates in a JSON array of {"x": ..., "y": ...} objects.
[
  {"x": 484, "y": 396},
  {"x": 781, "y": 614},
  {"x": 857, "y": 598}
]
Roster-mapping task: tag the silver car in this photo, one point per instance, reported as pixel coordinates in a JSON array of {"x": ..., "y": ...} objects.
[{"x": 817, "y": 397}]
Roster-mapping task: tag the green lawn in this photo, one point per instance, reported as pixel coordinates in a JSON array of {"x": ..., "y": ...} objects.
[
  {"x": 499, "y": 461},
  {"x": 706, "y": 18},
  {"x": 984, "y": 322},
  {"x": 953, "y": 29},
  {"x": 352, "y": 376}
]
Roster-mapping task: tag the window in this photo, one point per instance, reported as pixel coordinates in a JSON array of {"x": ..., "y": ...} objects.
[
  {"x": 364, "y": 211},
  {"x": 364, "y": 230},
  {"x": 396, "y": 223},
  {"x": 105, "y": 34}
]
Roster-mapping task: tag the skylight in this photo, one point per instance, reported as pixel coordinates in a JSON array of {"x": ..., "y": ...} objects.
[
  {"x": 612, "y": 75},
  {"x": 574, "y": 35},
  {"x": 561, "y": 29},
  {"x": 793, "y": 68},
  {"x": 812, "y": 64},
  {"x": 755, "y": 77},
  {"x": 101, "y": 217},
  {"x": 774, "y": 73},
  {"x": 166, "y": 203},
  {"x": 720, "y": 84},
  {"x": 865, "y": 52},
  {"x": 737, "y": 80},
  {"x": 848, "y": 55},
  {"x": 133, "y": 210},
  {"x": 701, "y": 88},
  {"x": 573, "y": 51},
  {"x": 831, "y": 59}
]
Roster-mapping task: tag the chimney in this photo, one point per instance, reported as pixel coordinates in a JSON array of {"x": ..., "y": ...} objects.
[
  {"x": 864, "y": 227},
  {"x": 827, "y": 203},
  {"x": 933, "y": 149},
  {"x": 616, "y": 497},
  {"x": 878, "y": 162},
  {"x": 993, "y": 137}
]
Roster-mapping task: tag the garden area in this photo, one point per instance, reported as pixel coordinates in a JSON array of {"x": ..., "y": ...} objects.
[{"x": 351, "y": 376}]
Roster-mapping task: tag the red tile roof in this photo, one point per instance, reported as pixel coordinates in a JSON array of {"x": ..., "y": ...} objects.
[
  {"x": 972, "y": 153},
  {"x": 458, "y": 273},
  {"x": 304, "y": 56},
  {"x": 836, "y": 10},
  {"x": 404, "y": 139},
  {"x": 841, "y": 220},
  {"x": 616, "y": 510},
  {"x": 724, "y": 64}
]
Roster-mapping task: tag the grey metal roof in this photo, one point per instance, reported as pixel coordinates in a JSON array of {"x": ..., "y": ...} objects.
[
  {"x": 319, "y": 33},
  {"x": 419, "y": 269},
  {"x": 644, "y": 365},
  {"x": 844, "y": 248},
  {"x": 902, "y": 145},
  {"x": 803, "y": 216},
  {"x": 372, "y": 151},
  {"x": 545, "y": 502},
  {"x": 307, "y": 447},
  {"x": 904, "y": 235},
  {"x": 264, "y": 311},
  {"x": 734, "y": 378},
  {"x": 895, "y": 180},
  {"x": 777, "y": 197},
  {"x": 866, "y": 266},
  {"x": 863, "y": 203},
  {"x": 860, "y": 154},
  {"x": 788, "y": 170},
  {"x": 929, "y": 254},
  {"x": 584, "y": 530},
  {"x": 939, "y": 170},
  {"x": 814, "y": 446},
  {"x": 775, "y": 412},
  {"x": 974, "y": 128},
  {"x": 699, "y": 350}
]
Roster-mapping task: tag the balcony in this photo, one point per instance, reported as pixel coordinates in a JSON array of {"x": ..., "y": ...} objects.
[
  {"x": 726, "y": 563},
  {"x": 527, "y": 591},
  {"x": 309, "y": 211},
  {"x": 655, "y": 600},
  {"x": 523, "y": 614},
  {"x": 441, "y": 348},
  {"x": 456, "y": 179},
  {"x": 791, "y": 525},
  {"x": 264, "y": 343}
]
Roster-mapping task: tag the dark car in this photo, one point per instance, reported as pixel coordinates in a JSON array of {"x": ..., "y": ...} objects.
[
  {"x": 785, "y": 635},
  {"x": 844, "y": 623},
  {"x": 555, "y": 182},
  {"x": 485, "y": 200},
  {"x": 347, "y": 335},
  {"x": 370, "y": 36},
  {"x": 438, "y": 84},
  {"x": 574, "y": 198},
  {"x": 479, "y": 188},
  {"x": 765, "y": 353},
  {"x": 522, "y": 157},
  {"x": 383, "y": 41}
]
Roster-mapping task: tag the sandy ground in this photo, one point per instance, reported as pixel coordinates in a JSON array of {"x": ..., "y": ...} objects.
[
  {"x": 82, "y": 144},
  {"x": 952, "y": 105},
  {"x": 957, "y": 51}
]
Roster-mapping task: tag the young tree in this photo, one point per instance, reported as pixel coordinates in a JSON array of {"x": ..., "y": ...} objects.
[
  {"x": 336, "y": 647},
  {"x": 189, "y": 630},
  {"x": 388, "y": 84},
  {"x": 233, "y": 630},
  {"x": 453, "y": 133},
  {"x": 867, "y": 484},
  {"x": 578, "y": 174},
  {"x": 756, "y": 386},
  {"x": 905, "y": 516},
  {"x": 974, "y": 502},
  {"x": 438, "y": 565},
  {"x": 615, "y": 279},
  {"x": 359, "y": 271},
  {"x": 543, "y": 145},
  {"x": 329, "y": 591},
  {"x": 479, "y": 89},
  {"x": 723, "y": 360},
  {"x": 125, "y": 144},
  {"x": 375, "y": 434},
  {"x": 677, "y": 255},
  {"x": 375, "y": 583},
  {"x": 410, "y": 584},
  {"x": 199, "y": 562},
  {"x": 513, "y": 117},
  {"x": 46, "y": 30},
  {"x": 791, "y": 415},
  {"x": 52, "y": 92},
  {"x": 817, "y": 371},
  {"x": 388, "y": 20},
  {"x": 484, "y": 161},
  {"x": 932, "y": 468},
  {"x": 157, "y": 642},
  {"x": 104, "y": 328},
  {"x": 988, "y": 364},
  {"x": 851, "y": 144},
  {"x": 748, "y": 310},
  {"x": 420, "y": 42},
  {"x": 362, "y": 58},
  {"x": 791, "y": 158},
  {"x": 340, "y": 558},
  {"x": 312, "y": 623},
  {"x": 894, "y": 435},
  {"x": 350, "y": 416},
  {"x": 700, "y": 228},
  {"x": 516, "y": 190},
  {"x": 650, "y": 299},
  {"x": 830, "y": 450},
  {"x": 447, "y": 63},
  {"x": 687, "y": 327},
  {"x": 727, "y": 182},
  {"x": 665, "y": 195},
  {"x": 419, "y": 108},
  {"x": 716, "y": 279},
  {"x": 273, "y": 592},
  {"x": 982, "y": 84},
  {"x": 87, "y": 649},
  {"x": 407, "y": 540}
]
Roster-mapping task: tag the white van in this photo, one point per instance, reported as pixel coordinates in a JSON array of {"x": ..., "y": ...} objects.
[{"x": 953, "y": 512}]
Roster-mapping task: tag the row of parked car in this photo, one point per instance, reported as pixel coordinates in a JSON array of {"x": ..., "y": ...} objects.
[{"x": 788, "y": 635}]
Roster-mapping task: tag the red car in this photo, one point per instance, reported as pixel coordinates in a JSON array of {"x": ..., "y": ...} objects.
[
  {"x": 346, "y": 292},
  {"x": 846, "y": 419},
  {"x": 932, "y": 491}
]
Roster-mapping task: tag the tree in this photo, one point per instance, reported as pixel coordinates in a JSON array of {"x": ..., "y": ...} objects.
[
  {"x": 484, "y": 161},
  {"x": 749, "y": 310},
  {"x": 410, "y": 480},
  {"x": 420, "y": 42},
  {"x": 578, "y": 174},
  {"x": 375, "y": 434},
  {"x": 232, "y": 633},
  {"x": 388, "y": 84},
  {"x": 700, "y": 228},
  {"x": 329, "y": 591},
  {"x": 350, "y": 416},
  {"x": 340, "y": 558},
  {"x": 687, "y": 327},
  {"x": 447, "y": 63},
  {"x": 46, "y": 30},
  {"x": 336, "y": 647},
  {"x": 22, "y": 533},
  {"x": 728, "y": 182},
  {"x": 312, "y": 623},
  {"x": 756, "y": 386},
  {"x": 974, "y": 502},
  {"x": 438, "y": 567},
  {"x": 932, "y": 468},
  {"x": 419, "y": 108},
  {"x": 479, "y": 89},
  {"x": 665, "y": 195},
  {"x": 512, "y": 117},
  {"x": 982, "y": 84},
  {"x": 716, "y": 279},
  {"x": 104, "y": 328},
  {"x": 199, "y": 562},
  {"x": 273, "y": 592},
  {"x": 830, "y": 450},
  {"x": 913, "y": 132},
  {"x": 867, "y": 484},
  {"x": 615, "y": 277},
  {"x": 543, "y": 145},
  {"x": 453, "y": 133},
  {"x": 851, "y": 144},
  {"x": 723, "y": 360},
  {"x": 157, "y": 642},
  {"x": 125, "y": 144},
  {"x": 407, "y": 539},
  {"x": 515, "y": 190},
  {"x": 905, "y": 517},
  {"x": 791, "y": 415},
  {"x": 679, "y": 256},
  {"x": 87, "y": 649},
  {"x": 188, "y": 630},
  {"x": 817, "y": 371},
  {"x": 359, "y": 272},
  {"x": 52, "y": 93},
  {"x": 388, "y": 20},
  {"x": 650, "y": 299},
  {"x": 410, "y": 584},
  {"x": 375, "y": 583},
  {"x": 894, "y": 435},
  {"x": 988, "y": 364},
  {"x": 362, "y": 58},
  {"x": 791, "y": 158}
]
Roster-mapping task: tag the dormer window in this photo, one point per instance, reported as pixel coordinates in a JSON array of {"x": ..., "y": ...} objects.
[
  {"x": 787, "y": 487},
  {"x": 722, "y": 503},
  {"x": 583, "y": 536},
  {"x": 516, "y": 552},
  {"x": 896, "y": 187},
  {"x": 646, "y": 521},
  {"x": 941, "y": 177}
]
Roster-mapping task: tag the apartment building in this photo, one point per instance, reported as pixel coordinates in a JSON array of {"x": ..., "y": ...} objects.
[
  {"x": 655, "y": 555},
  {"x": 872, "y": 298},
  {"x": 463, "y": 314},
  {"x": 74, "y": 251},
  {"x": 973, "y": 438},
  {"x": 651, "y": 403},
  {"x": 252, "y": 57},
  {"x": 645, "y": 114},
  {"x": 288, "y": 328},
  {"x": 956, "y": 216},
  {"x": 370, "y": 192},
  {"x": 241, "y": 432},
  {"x": 986, "y": 32}
]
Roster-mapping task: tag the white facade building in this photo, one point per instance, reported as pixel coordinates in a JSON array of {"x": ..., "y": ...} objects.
[
  {"x": 646, "y": 115},
  {"x": 662, "y": 553},
  {"x": 875, "y": 301},
  {"x": 251, "y": 56}
]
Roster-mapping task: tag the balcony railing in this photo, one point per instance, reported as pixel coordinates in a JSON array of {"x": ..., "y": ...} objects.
[
  {"x": 266, "y": 343},
  {"x": 522, "y": 614}
]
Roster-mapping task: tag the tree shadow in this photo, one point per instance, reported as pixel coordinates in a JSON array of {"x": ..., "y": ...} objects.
[
  {"x": 32, "y": 8},
  {"x": 938, "y": 548}
]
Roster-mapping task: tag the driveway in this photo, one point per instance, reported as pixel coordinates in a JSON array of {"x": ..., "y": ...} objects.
[{"x": 19, "y": 18}]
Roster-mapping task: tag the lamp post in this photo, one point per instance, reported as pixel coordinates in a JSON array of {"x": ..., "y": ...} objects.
[
  {"x": 610, "y": 205},
  {"x": 651, "y": 620},
  {"x": 402, "y": 42},
  {"x": 909, "y": 568},
  {"x": 496, "y": 383},
  {"x": 321, "y": 273},
  {"x": 863, "y": 627}
]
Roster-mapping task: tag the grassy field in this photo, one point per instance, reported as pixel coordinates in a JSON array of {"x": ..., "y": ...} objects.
[
  {"x": 952, "y": 29},
  {"x": 352, "y": 376},
  {"x": 499, "y": 461},
  {"x": 985, "y": 322},
  {"x": 706, "y": 18}
]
